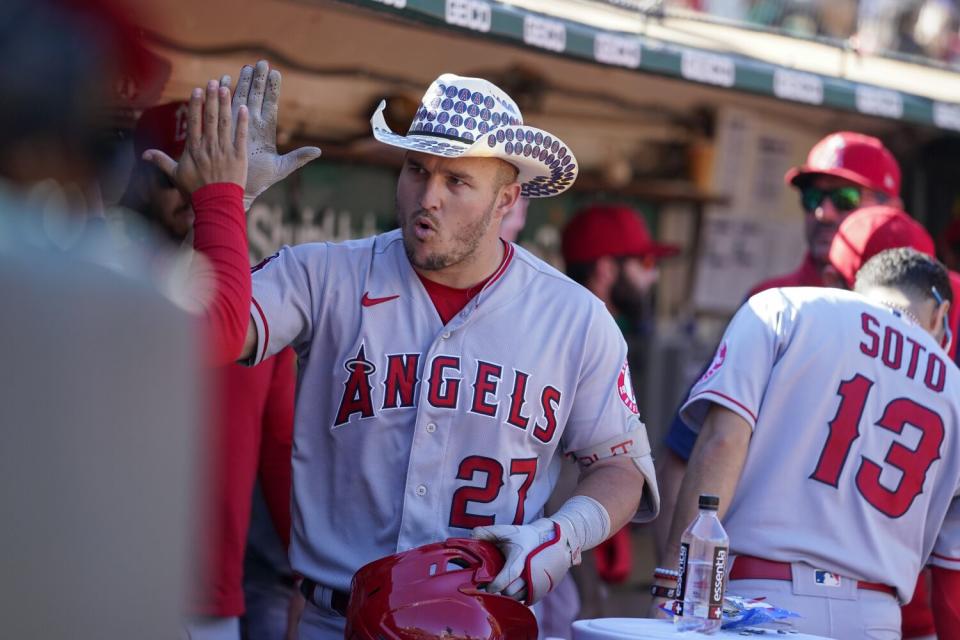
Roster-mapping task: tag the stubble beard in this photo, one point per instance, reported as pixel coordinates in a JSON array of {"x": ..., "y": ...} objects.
[{"x": 469, "y": 239}]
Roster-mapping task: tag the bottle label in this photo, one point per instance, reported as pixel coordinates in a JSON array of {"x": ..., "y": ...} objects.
[
  {"x": 682, "y": 579},
  {"x": 717, "y": 583}
]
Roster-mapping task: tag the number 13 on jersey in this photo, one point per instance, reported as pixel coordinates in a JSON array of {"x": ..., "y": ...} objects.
[{"x": 845, "y": 428}]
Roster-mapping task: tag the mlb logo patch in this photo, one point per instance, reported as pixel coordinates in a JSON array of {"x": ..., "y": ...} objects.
[{"x": 826, "y": 579}]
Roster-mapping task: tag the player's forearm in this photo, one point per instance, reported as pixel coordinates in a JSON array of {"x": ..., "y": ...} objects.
[
  {"x": 615, "y": 483},
  {"x": 670, "y": 470},
  {"x": 714, "y": 468},
  {"x": 220, "y": 235}
]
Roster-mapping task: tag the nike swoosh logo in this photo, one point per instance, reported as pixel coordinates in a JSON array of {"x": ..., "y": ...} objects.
[{"x": 367, "y": 301}]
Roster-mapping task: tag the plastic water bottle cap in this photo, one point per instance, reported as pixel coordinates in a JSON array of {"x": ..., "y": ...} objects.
[{"x": 709, "y": 502}]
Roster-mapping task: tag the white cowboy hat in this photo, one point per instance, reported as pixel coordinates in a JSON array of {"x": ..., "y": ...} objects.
[{"x": 470, "y": 117}]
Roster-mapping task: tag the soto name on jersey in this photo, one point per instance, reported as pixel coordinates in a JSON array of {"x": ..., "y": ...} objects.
[{"x": 896, "y": 350}]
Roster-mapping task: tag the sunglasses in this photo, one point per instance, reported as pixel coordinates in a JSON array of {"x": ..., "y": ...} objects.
[{"x": 843, "y": 198}]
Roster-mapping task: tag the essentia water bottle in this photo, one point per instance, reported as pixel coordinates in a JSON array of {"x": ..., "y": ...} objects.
[{"x": 704, "y": 548}]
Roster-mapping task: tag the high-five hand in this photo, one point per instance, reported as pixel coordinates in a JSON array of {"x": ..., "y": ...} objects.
[
  {"x": 258, "y": 88},
  {"x": 216, "y": 149}
]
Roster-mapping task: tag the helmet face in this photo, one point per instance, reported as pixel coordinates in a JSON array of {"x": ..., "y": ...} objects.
[{"x": 433, "y": 592}]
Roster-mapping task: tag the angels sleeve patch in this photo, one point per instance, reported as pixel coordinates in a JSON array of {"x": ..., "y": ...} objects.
[
  {"x": 718, "y": 360},
  {"x": 625, "y": 388}
]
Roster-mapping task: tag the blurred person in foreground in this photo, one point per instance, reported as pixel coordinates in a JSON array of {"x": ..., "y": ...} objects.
[
  {"x": 102, "y": 398},
  {"x": 251, "y": 423}
]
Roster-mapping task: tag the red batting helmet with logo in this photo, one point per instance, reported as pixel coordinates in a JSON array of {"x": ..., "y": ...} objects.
[
  {"x": 436, "y": 591},
  {"x": 870, "y": 230},
  {"x": 860, "y": 159}
]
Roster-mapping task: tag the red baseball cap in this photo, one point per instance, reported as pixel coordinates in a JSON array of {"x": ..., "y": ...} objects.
[
  {"x": 870, "y": 230},
  {"x": 610, "y": 230},
  {"x": 163, "y": 127},
  {"x": 860, "y": 159}
]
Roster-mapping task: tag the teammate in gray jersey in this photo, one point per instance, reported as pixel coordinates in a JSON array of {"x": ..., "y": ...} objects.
[
  {"x": 444, "y": 372},
  {"x": 829, "y": 428}
]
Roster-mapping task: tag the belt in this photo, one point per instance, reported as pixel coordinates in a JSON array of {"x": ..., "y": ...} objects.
[
  {"x": 325, "y": 597},
  {"x": 753, "y": 568}
]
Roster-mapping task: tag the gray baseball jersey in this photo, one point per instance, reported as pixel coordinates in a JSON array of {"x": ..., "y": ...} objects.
[
  {"x": 408, "y": 431},
  {"x": 854, "y": 461}
]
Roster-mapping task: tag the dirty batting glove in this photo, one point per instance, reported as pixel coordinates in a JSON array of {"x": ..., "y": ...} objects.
[{"x": 539, "y": 554}]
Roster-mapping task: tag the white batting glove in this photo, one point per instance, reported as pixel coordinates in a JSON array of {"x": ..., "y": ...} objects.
[
  {"x": 259, "y": 88},
  {"x": 539, "y": 554}
]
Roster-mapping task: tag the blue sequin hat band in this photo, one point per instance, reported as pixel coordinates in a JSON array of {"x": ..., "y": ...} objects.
[{"x": 471, "y": 117}]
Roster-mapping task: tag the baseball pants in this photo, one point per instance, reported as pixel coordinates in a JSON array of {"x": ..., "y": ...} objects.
[
  {"x": 840, "y": 612},
  {"x": 320, "y": 624}
]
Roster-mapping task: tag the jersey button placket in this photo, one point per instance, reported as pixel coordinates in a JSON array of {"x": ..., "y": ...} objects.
[
  {"x": 421, "y": 490},
  {"x": 431, "y": 428}
]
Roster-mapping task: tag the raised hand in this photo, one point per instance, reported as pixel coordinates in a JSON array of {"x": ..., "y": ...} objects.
[
  {"x": 216, "y": 149},
  {"x": 258, "y": 89}
]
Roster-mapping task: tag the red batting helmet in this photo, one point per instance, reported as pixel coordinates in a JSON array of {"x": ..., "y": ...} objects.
[
  {"x": 436, "y": 591},
  {"x": 860, "y": 159},
  {"x": 163, "y": 128},
  {"x": 870, "y": 230}
]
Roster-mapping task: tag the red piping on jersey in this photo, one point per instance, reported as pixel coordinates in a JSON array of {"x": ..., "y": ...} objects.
[
  {"x": 508, "y": 248},
  {"x": 943, "y": 557},
  {"x": 526, "y": 564},
  {"x": 266, "y": 330},
  {"x": 263, "y": 263},
  {"x": 728, "y": 398}
]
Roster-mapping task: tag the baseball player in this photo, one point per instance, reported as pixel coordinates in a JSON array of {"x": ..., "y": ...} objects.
[
  {"x": 828, "y": 426},
  {"x": 843, "y": 172},
  {"x": 867, "y": 232},
  {"x": 251, "y": 425},
  {"x": 436, "y": 396},
  {"x": 861, "y": 236}
]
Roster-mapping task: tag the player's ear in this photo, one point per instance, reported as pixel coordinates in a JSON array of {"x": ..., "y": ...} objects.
[
  {"x": 508, "y": 196},
  {"x": 942, "y": 316}
]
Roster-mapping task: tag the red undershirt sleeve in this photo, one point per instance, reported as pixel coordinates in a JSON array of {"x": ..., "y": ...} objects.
[
  {"x": 220, "y": 235},
  {"x": 276, "y": 444}
]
